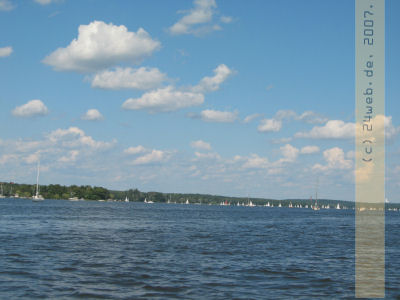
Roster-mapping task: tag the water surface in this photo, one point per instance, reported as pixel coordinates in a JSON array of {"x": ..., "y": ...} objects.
[{"x": 114, "y": 250}]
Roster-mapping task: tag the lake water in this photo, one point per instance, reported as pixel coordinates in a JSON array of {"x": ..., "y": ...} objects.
[{"x": 115, "y": 250}]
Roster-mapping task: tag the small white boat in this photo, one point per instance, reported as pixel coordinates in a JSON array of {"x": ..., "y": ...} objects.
[
  {"x": 37, "y": 197},
  {"x": 126, "y": 199},
  {"x": 145, "y": 201}
]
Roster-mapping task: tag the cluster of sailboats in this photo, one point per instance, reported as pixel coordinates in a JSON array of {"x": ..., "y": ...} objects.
[{"x": 37, "y": 197}]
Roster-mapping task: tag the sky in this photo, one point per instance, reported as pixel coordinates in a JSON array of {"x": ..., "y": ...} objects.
[{"x": 208, "y": 96}]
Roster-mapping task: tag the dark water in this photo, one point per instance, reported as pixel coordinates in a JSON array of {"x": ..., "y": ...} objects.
[{"x": 112, "y": 250}]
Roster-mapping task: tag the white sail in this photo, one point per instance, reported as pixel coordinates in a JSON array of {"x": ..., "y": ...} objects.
[
  {"x": 1, "y": 195},
  {"x": 37, "y": 196}
]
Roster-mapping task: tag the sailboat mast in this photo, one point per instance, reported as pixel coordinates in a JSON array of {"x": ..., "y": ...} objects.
[
  {"x": 37, "y": 178},
  {"x": 316, "y": 192}
]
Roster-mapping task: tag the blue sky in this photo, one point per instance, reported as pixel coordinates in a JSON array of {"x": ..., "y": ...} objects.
[{"x": 221, "y": 97}]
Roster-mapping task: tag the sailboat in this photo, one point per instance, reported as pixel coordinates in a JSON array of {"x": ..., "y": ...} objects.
[
  {"x": 1, "y": 195},
  {"x": 126, "y": 199},
  {"x": 147, "y": 201},
  {"x": 316, "y": 207},
  {"x": 37, "y": 196}
]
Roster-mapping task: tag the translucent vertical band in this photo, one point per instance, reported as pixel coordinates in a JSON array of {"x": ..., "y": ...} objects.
[{"x": 370, "y": 148}]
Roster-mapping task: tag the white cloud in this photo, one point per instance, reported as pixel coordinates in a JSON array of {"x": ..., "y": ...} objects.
[
  {"x": 45, "y": 2},
  {"x": 6, "y": 51},
  {"x": 92, "y": 115},
  {"x": 70, "y": 157},
  {"x": 209, "y": 115},
  {"x": 307, "y": 116},
  {"x": 309, "y": 149},
  {"x": 135, "y": 150},
  {"x": 281, "y": 140},
  {"x": 32, "y": 158},
  {"x": 6, "y": 158},
  {"x": 210, "y": 84},
  {"x": 226, "y": 19},
  {"x": 289, "y": 153},
  {"x": 55, "y": 149},
  {"x": 199, "y": 20},
  {"x": 285, "y": 114},
  {"x": 390, "y": 129},
  {"x": 254, "y": 162},
  {"x": 6, "y": 5},
  {"x": 155, "y": 156},
  {"x": 164, "y": 100},
  {"x": 127, "y": 78},
  {"x": 170, "y": 98},
  {"x": 268, "y": 125},
  {"x": 31, "y": 109},
  {"x": 251, "y": 117},
  {"x": 311, "y": 117},
  {"x": 335, "y": 160},
  {"x": 200, "y": 145},
  {"x": 100, "y": 45},
  {"x": 214, "y": 156},
  {"x": 75, "y": 137},
  {"x": 333, "y": 129}
]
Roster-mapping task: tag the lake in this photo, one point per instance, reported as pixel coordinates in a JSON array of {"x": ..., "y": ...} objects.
[{"x": 114, "y": 250}]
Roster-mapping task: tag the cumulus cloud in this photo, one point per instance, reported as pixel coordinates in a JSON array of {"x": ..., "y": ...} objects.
[
  {"x": 274, "y": 124},
  {"x": 214, "y": 156},
  {"x": 200, "y": 145},
  {"x": 46, "y": 2},
  {"x": 309, "y": 149},
  {"x": 335, "y": 159},
  {"x": 146, "y": 156},
  {"x": 251, "y": 117},
  {"x": 210, "y": 84},
  {"x": 390, "y": 129},
  {"x": 281, "y": 140},
  {"x": 75, "y": 137},
  {"x": 6, "y": 51},
  {"x": 155, "y": 156},
  {"x": 164, "y": 100},
  {"x": 333, "y": 129},
  {"x": 199, "y": 20},
  {"x": 170, "y": 98},
  {"x": 311, "y": 117},
  {"x": 6, "y": 5},
  {"x": 127, "y": 78},
  {"x": 31, "y": 109},
  {"x": 92, "y": 115},
  {"x": 135, "y": 150},
  {"x": 209, "y": 115},
  {"x": 269, "y": 125},
  {"x": 289, "y": 153},
  {"x": 254, "y": 161},
  {"x": 57, "y": 148},
  {"x": 226, "y": 19},
  {"x": 307, "y": 116},
  {"x": 100, "y": 45},
  {"x": 70, "y": 157}
]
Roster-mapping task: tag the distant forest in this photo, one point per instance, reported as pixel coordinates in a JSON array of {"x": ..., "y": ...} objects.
[{"x": 87, "y": 192}]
